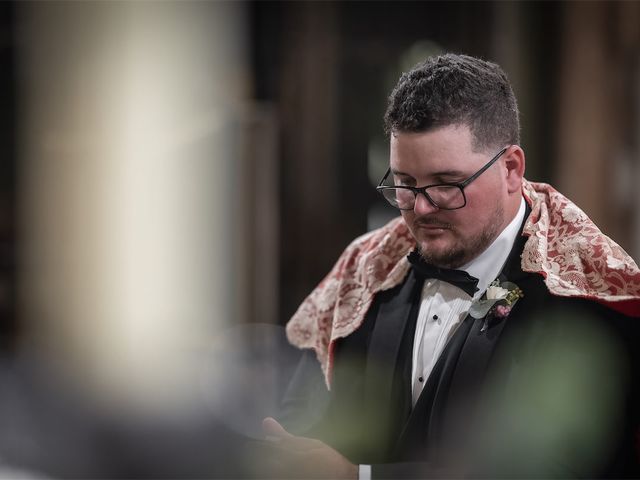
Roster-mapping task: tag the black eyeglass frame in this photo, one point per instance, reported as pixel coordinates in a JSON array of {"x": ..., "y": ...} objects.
[{"x": 416, "y": 190}]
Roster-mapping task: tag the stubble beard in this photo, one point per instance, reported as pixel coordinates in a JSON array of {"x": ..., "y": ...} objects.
[{"x": 462, "y": 251}]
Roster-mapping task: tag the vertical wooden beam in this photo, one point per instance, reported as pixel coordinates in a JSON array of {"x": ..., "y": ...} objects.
[
  {"x": 308, "y": 98},
  {"x": 589, "y": 121}
]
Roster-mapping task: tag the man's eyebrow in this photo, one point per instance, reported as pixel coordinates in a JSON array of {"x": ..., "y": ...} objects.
[
  {"x": 398, "y": 172},
  {"x": 449, "y": 173},
  {"x": 441, "y": 174}
]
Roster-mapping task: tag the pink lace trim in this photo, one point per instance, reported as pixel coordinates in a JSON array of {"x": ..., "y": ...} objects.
[{"x": 564, "y": 245}]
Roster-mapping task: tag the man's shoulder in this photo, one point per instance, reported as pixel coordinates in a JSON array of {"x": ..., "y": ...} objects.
[
  {"x": 540, "y": 304},
  {"x": 574, "y": 256},
  {"x": 376, "y": 254},
  {"x": 372, "y": 262}
]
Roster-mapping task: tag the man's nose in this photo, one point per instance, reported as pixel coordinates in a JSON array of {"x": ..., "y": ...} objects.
[{"x": 423, "y": 205}]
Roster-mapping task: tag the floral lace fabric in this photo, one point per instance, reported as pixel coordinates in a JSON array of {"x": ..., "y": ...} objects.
[{"x": 563, "y": 245}]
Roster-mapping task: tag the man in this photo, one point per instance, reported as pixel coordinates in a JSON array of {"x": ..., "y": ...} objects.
[{"x": 488, "y": 331}]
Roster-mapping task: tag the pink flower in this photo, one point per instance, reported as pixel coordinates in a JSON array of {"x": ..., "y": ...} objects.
[{"x": 502, "y": 311}]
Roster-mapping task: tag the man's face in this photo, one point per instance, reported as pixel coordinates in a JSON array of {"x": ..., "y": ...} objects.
[{"x": 450, "y": 238}]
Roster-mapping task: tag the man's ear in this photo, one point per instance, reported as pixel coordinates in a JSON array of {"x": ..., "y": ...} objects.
[{"x": 515, "y": 166}]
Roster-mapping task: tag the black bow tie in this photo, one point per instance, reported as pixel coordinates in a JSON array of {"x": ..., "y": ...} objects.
[{"x": 459, "y": 278}]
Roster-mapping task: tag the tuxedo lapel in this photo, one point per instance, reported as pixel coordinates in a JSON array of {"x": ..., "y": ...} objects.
[
  {"x": 480, "y": 344},
  {"x": 393, "y": 329},
  {"x": 423, "y": 425},
  {"x": 457, "y": 374}
]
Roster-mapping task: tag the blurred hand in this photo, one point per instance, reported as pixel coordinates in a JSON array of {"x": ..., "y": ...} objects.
[{"x": 301, "y": 457}]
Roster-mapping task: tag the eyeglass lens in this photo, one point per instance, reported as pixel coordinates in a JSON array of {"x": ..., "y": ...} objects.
[{"x": 448, "y": 197}]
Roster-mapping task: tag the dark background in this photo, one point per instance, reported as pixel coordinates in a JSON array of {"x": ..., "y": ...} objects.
[
  {"x": 325, "y": 68},
  {"x": 329, "y": 66},
  {"x": 318, "y": 74}
]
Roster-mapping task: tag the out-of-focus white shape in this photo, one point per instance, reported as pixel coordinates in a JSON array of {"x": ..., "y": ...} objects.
[
  {"x": 18, "y": 473},
  {"x": 129, "y": 138}
]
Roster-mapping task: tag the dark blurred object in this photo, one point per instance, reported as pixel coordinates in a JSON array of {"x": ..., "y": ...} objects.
[
  {"x": 8, "y": 323},
  {"x": 52, "y": 427}
]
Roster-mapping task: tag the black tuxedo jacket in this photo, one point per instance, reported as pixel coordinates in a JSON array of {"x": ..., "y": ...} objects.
[{"x": 552, "y": 390}]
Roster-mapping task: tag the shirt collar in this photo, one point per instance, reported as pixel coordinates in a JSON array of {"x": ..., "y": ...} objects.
[{"x": 487, "y": 266}]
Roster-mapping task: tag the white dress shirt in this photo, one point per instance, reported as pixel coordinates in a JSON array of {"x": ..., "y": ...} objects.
[{"x": 443, "y": 307}]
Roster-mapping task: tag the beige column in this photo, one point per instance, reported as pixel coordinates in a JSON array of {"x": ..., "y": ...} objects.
[{"x": 129, "y": 144}]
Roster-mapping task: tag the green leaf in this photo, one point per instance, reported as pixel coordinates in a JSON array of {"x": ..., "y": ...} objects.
[{"x": 480, "y": 308}]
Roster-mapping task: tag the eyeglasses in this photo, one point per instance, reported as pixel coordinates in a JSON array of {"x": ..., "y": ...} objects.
[{"x": 445, "y": 196}]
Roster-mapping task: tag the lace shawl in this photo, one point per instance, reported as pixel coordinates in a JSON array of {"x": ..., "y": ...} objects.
[{"x": 564, "y": 246}]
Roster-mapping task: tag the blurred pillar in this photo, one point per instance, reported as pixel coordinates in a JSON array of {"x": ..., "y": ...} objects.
[
  {"x": 310, "y": 120},
  {"x": 587, "y": 122},
  {"x": 629, "y": 178},
  {"x": 525, "y": 46},
  {"x": 8, "y": 325},
  {"x": 129, "y": 146},
  {"x": 634, "y": 177},
  {"x": 598, "y": 119}
]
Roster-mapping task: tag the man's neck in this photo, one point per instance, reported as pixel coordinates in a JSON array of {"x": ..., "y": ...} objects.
[{"x": 487, "y": 266}]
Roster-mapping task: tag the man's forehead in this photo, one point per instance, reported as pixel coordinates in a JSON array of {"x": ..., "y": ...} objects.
[
  {"x": 450, "y": 141},
  {"x": 446, "y": 153}
]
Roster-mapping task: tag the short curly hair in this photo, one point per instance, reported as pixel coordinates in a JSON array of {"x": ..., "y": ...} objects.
[{"x": 456, "y": 89}]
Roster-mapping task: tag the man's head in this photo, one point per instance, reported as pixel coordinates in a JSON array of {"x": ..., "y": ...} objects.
[
  {"x": 446, "y": 119},
  {"x": 456, "y": 90}
]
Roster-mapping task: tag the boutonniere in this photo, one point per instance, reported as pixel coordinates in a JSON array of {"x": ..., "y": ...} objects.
[{"x": 496, "y": 302}]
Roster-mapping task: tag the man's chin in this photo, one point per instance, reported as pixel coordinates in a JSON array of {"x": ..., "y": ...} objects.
[
  {"x": 441, "y": 256},
  {"x": 435, "y": 246}
]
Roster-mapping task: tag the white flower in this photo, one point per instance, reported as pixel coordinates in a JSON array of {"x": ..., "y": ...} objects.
[
  {"x": 503, "y": 295},
  {"x": 496, "y": 293}
]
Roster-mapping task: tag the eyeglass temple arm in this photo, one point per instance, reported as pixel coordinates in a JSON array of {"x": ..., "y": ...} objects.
[
  {"x": 468, "y": 180},
  {"x": 483, "y": 169},
  {"x": 385, "y": 177}
]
